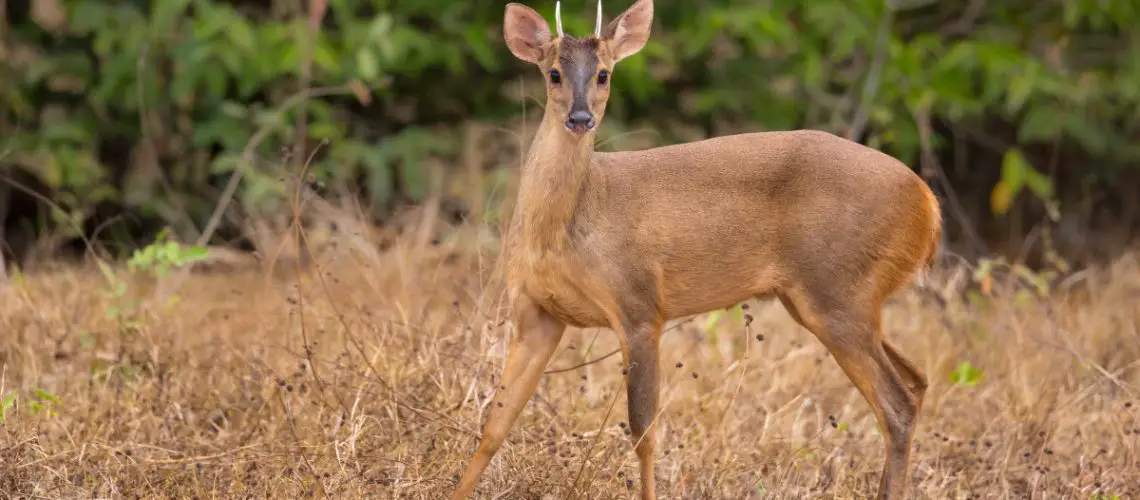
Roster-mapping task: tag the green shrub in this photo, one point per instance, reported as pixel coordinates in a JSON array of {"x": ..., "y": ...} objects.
[{"x": 149, "y": 105}]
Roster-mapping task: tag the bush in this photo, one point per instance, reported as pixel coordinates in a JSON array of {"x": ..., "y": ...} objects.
[{"x": 148, "y": 107}]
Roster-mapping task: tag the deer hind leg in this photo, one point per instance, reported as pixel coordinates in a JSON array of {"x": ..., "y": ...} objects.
[
  {"x": 538, "y": 335},
  {"x": 915, "y": 379},
  {"x": 852, "y": 333},
  {"x": 642, "y": 391}
]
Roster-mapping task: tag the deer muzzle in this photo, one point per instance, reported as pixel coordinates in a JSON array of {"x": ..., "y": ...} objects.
[{"x": 580, "y": 121}]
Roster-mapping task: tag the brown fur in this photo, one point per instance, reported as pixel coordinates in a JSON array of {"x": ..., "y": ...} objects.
[{"x": 630, "y": 240}]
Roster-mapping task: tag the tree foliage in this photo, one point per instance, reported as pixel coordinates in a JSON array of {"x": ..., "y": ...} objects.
[{"x": 149, "y": 106}]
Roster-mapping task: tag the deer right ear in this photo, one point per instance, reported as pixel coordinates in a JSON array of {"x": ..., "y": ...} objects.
[
  {"x": 525, "y": 32},
  {"x": 629, "y": 32}
]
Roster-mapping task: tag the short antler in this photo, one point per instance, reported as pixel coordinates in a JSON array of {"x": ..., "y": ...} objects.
[
  {"x": 598, "y": 25},
  {"x": 558, "y": 17}
]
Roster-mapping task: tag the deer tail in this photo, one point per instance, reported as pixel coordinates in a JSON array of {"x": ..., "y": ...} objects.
[{"x": 935, "y": 229}]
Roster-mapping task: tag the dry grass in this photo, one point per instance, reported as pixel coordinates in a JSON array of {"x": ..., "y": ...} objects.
[{"x": 368, "y": 378}]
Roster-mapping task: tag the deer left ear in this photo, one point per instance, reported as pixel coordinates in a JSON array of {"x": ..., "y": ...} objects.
[
  {"x": 525, "y": 32},
  {"x": 629, "y": 32}
]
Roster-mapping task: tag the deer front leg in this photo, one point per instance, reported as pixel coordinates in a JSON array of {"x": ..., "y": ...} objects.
[
  {"x": 642, "y": 390},
  {"x": 537, "y": 336}
]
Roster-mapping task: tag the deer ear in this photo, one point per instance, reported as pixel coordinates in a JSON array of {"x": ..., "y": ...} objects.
[
  {"x": 525, "y": 32},
  {"x": 629, "y": 32}
]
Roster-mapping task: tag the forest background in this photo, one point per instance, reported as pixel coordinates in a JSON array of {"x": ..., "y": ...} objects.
[{"x": 131, "y": 116}]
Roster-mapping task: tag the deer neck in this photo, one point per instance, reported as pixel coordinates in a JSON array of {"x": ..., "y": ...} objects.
[{"x": 553, "y": 184}]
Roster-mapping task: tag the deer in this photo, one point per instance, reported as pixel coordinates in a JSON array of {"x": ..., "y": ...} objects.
[{"x": 630, "y": 240}]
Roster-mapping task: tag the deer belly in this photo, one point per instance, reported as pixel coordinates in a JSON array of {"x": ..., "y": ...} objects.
[{"x": 696, "y": 294}]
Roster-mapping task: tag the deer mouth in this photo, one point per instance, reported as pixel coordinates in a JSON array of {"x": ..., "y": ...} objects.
[{"x": 579, "y": 129}]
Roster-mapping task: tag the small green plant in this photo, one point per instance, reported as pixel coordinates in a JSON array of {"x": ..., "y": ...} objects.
[
  {"x": 164, "y": 255},
  {"x": 1016, "y": 175},
  {"x": 43, "y": 401},
  {"x": 159, "y": 258},
  {"x": 1031, "y": 284},
  {"x": 39, "y": 400},
  {"x": 116, "y": 291},
  {"x": 6, "y": 406},
  {"x": 760, "y": 489},
  {"x": 713, "y": 318},
  {"x": 966, "y": 375}
]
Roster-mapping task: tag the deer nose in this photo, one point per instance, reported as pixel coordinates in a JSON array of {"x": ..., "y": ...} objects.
[{"x": 580, "y": 121}]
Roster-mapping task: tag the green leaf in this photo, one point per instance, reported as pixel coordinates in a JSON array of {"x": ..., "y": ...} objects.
[
  {"x": 1042, "y": 122},
  {"x": 66, "y": 131},
  {"x": 235, "y": 110},
  {"x": 713, "y": 319},
  {"x": 171, "y": 253},
  {"x": 480, "y": 48},
  {"x": 195, "y": 253},
  {"x": 225, "y": 163},
  {"x": 325, "y": 56},
  {"x": 962, "y": 55},
  {"x": 379, "y": 28},
  {"x": 6, "y": 406},
  {"x": 241, "y": 34},
  {"x": 1090, "y": 136},
  {"x": 366, "y": 65},
  {"x": 165, "y": 15},
  {"x": 216, "y": 82},
  {"x": 1001, "y": 198},
  {"x": 326, "y": 130},
  {"x": 812, "y": 70},
  {"x": 1018, "y": 173},
  {"x": 1020, "y": 89},
  {"x": 1014, "y": 170},
  {"x": 966, "y": 375},
  {"x": 1039, "y": 184},
  {"x": 210, "y": 19},
  {"x": 45, "y": 395}
]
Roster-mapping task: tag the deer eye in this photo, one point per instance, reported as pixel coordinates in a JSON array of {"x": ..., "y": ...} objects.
[
  {"x": 603, "y": 77},
  {"x": 555, "y": 77}
]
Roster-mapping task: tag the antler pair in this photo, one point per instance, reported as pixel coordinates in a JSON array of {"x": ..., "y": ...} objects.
[{"x": 558, "y": 19}]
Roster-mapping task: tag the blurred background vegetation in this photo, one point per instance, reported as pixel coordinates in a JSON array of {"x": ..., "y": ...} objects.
[{"x": 121, "y": 117}]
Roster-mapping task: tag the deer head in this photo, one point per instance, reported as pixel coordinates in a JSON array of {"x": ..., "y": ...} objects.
[{"x": 577, "y": 70}]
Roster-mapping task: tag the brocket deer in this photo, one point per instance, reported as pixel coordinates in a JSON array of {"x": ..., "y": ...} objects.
[{"x": 629, "y": 240}]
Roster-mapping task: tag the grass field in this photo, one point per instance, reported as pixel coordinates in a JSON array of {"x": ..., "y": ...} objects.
[{"x": 367, "y": 377}]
